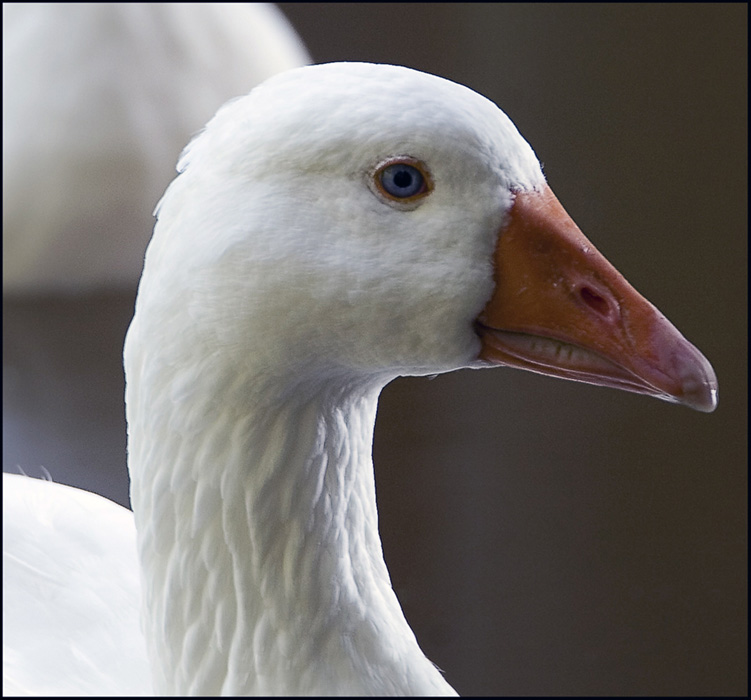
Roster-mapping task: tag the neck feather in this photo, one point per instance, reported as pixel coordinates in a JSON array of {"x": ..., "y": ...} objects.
[{"x": 261, "y": 561}]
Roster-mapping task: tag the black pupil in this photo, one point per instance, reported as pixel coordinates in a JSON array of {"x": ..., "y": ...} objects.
[{"x": 403, "y": 179}]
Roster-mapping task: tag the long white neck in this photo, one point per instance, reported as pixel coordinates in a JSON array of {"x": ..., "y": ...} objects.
[{"x": 262, "y": 566}]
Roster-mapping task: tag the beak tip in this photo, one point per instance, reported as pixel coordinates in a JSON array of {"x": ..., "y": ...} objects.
[
  {"x": 700, "y": 390},
  {"x": 704, "y": 398},
  {"x": 693, "y": 381}
]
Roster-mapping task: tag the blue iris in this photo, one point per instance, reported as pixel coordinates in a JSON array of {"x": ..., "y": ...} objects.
[{"x": 402, "y": 180}]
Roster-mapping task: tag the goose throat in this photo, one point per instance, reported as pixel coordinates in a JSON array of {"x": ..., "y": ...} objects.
[{"x": 269, "y": 549}]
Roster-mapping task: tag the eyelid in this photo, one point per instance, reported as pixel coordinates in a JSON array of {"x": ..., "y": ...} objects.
[{"x": 404, "y": 202}]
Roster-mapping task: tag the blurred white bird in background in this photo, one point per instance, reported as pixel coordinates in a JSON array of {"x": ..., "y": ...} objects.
[{"x": 98, "y": 100}]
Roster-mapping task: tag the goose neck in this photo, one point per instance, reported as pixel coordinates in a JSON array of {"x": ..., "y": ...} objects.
[{"x": 262, "y": 564}]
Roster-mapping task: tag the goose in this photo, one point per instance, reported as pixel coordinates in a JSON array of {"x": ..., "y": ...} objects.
[
  {"x": 339, "y": 226},
  {"x": 98, "y": 100}
]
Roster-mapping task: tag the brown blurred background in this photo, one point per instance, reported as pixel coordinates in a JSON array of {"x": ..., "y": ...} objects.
[{"x": 544, "y": 537}]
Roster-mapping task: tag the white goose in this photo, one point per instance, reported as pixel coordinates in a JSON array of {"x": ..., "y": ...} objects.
[{"x": 341, "y": 225}]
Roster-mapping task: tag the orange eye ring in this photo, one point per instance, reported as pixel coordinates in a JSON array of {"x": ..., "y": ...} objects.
[{"x": 402, "y": 180}]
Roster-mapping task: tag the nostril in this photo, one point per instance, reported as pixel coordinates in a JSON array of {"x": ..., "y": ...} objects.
[{"x": 595, "y": 301}]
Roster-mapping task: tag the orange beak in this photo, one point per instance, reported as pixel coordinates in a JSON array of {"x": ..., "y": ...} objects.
[{"x": 560, "y": 308}]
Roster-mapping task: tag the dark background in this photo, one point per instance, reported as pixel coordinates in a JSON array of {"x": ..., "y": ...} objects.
[{"x": 544, "y": 537}]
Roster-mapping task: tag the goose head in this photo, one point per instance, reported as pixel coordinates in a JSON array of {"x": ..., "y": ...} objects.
[
  {"x": 340, "y": 225},
  {"x": 359, "y": 219}
]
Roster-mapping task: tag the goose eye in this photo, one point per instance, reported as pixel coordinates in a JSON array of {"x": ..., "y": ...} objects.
[{"x": 402, "y": 180}]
